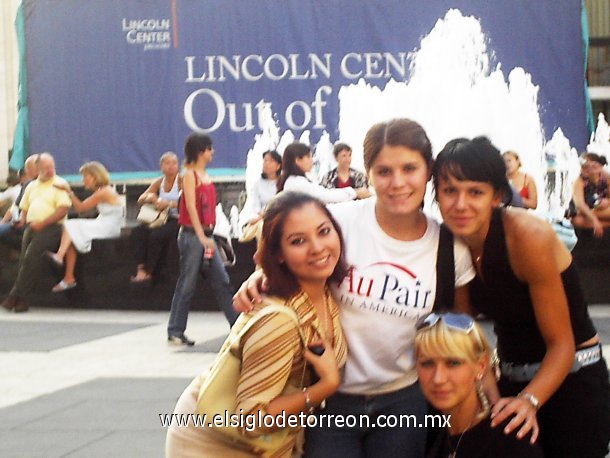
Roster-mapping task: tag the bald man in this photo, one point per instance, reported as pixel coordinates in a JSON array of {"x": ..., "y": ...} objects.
[{"x": 43, "y": 210}]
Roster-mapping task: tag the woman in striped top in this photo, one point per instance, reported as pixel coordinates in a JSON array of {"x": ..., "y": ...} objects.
[{"x": 301, "y": 252}]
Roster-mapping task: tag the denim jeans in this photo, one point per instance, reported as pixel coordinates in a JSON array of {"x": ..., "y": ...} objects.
[
  {"x": 5, "y": 228},
  {"x": 10, "y": 236},
  {"x": 362, "y": 441},
  {"x": 191, "y": 264}
]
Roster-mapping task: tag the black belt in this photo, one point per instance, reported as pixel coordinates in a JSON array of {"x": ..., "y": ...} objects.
[{"x": 207, "y": 230}]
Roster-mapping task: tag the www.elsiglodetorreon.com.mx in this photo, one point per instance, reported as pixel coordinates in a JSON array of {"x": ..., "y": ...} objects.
[{"x": 253, "y": 421}]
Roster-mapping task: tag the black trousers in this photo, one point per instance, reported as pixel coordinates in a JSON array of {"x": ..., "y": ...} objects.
[
  {"x": 150, "y": 244},
  {"x": 575, "y": 422},
  {"x": 31, "y": 260}
]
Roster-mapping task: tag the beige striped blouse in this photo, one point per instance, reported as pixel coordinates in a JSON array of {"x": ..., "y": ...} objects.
[{"x": 272, "y": 357}]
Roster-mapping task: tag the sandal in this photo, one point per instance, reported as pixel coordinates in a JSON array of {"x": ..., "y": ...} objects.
[
  {"x": 63, "y": 286},
  {"x": 54, "y": 259}
]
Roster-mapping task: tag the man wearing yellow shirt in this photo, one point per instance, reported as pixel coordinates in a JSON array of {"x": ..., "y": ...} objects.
[{"x": 43, "y": 210}]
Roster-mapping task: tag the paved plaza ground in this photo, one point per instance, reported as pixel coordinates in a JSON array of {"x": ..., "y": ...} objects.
[{"x": 78, "y": 383}]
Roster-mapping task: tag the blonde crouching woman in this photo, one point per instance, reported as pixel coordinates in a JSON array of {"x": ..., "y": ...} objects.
[{"x": 452, "y": 356}]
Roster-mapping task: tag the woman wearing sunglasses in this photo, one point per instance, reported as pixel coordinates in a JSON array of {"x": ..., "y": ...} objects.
[
  {"x": 552, "y": 367},
  {"x": 452, "y": 355}
]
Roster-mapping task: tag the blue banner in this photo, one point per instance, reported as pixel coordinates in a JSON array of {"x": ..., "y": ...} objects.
[{"x": 122, "y": 81}]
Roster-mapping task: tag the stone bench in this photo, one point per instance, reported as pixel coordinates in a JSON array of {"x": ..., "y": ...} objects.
[
  {"x": 103, "y": 276},
  {"x": 592, "y": 258},
  {"x": 103, "y": 279}
]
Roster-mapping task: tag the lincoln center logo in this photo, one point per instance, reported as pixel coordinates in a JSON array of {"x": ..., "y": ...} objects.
[{"x": 149, "y": 33}]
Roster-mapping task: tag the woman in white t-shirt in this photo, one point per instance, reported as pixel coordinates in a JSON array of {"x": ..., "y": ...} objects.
[
  {"x": 296, "y": 163},
  {"x": 263, "y": 190},
  {"x": 392, "y": 247}
]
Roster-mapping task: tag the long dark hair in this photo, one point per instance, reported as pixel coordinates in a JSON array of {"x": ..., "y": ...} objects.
[
  {"x": 473, "y": 160},
  {"x": 282, "y": 282},
  {"x": 292, "y": 152}
]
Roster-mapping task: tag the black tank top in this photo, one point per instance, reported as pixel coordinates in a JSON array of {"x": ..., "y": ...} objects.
[{"x": 506, "y": 300}]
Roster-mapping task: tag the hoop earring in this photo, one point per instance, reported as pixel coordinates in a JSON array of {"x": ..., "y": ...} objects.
[{"x": 485, "y": 407}]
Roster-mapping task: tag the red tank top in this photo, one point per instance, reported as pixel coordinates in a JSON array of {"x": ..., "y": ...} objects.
[
  {"x": 205, "y": 200},
  {"x": 344, "y": 184},
  {"x": 525, "y": 192}
]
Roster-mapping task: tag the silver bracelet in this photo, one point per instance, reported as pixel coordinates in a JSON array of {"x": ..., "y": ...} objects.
[
  {"x": 309, "y": 407},
  {"x": 533, "y": 400}
]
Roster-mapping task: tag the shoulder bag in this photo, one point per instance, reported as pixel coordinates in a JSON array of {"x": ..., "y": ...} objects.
[
  {"x": 152, "y": 217},
  {"x": 218, "y": 392}
]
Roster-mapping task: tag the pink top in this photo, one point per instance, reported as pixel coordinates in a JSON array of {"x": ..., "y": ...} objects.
[{"x": 525, "y": 192}]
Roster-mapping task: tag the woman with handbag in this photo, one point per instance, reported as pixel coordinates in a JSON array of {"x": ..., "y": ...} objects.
[
  {"x": 551, "y": 362},
  {"x": 78, "y": 233},
  {"x": 452, "y": 355},
  {"x": 150, "y": 242},
  {"x": 301, "y": 253},
  {"x": 198, "y": 253}
]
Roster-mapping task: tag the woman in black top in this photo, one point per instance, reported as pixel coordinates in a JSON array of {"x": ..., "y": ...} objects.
[
  {"x": 551, "y": 354},
  {"x": 452, "y": 355}
]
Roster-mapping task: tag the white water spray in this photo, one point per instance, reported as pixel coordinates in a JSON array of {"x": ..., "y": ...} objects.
[
  {"x": 600, "y": 139},
  {"x": 562, "y": 168},
  {"x": 452, "y": 92}
]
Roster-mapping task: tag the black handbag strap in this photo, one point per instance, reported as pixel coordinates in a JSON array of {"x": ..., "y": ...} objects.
[{"x": 445, "y": 272}]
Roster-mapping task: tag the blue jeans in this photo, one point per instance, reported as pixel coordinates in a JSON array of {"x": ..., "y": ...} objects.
[
  {"x": 362, "y": 441},
  {"x": 5, "y": 228},
  {"x": 191, "y": 257}
]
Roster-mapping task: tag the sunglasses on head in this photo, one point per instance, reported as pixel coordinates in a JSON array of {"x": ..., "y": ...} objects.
[{"x": 456, "y": 321}]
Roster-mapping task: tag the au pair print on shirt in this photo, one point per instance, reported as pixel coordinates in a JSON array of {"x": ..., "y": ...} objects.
[{"x": 386, "y": 287}]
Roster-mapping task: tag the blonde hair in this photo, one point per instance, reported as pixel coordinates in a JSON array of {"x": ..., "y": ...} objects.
[
  {"x": 440, "y": 339},
  {"x": 514, "y": 155},
  {"x": 97, "y": 171}
]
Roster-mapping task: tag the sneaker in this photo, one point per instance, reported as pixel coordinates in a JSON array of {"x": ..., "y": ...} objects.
[{"x": 180, "y": 340}]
